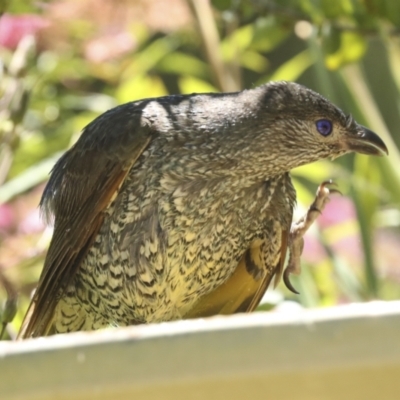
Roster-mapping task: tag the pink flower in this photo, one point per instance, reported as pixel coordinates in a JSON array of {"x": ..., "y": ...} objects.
[
  {"x": 339, "y": 209},
  {"x": 14, "y": 27},
  {"x": 32, "y": 223},
  {"x": 6, "y": 217}
]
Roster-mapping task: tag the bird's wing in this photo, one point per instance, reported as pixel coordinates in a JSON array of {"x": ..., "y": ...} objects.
[
  {"x": 242, "y": 292},
  {"x": 267, "y": 277},
  {"x": 82, "y": 185}
]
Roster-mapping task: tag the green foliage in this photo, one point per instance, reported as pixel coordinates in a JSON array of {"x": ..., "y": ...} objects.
[{"x": 52, "y": 92}]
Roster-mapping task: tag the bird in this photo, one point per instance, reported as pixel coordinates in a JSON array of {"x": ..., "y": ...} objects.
[{"x": 181, "y": 206}]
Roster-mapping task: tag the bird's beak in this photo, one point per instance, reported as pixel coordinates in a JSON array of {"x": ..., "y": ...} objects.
[{"x": 366, "y": 142}]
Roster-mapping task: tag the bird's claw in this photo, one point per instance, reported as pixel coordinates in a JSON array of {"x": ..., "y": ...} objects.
[
  {"x": 327, "y": 185},
  {"x": 299, "y": 228}
]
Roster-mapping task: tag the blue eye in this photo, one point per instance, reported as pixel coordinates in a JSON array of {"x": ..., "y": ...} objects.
[{"x": 324, "y": 126}]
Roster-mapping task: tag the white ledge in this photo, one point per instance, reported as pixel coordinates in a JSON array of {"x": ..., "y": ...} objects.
[{"x": 346, "y": 352}]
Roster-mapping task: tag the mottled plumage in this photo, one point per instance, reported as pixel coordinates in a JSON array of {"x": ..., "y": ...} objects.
[{"x": 180, "y": 206}]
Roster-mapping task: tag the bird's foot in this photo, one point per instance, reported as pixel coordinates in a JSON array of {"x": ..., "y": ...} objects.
[{"x": 299, "y": 228}]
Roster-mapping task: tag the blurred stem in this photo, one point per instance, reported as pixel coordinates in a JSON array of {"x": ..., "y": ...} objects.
[
  {"x": 366, "y": 233},
  {"x": 6, "y": 158},
  {"x": 232, "y": 24},
  {"x": 355, "y": 81},
  {"x": 203, "y": 14},
  {"x": 348, "y": 282},
  {"x": 366, "y": 207},
  {"x": 394, "y": 60},
  {"x": 14, "y": 104},
  {"x": 323, "y": 78},
  {"x": 10, "y": 306}
]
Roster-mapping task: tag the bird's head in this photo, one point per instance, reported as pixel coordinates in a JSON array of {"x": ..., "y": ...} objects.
[{"x": 308, "y": 127}]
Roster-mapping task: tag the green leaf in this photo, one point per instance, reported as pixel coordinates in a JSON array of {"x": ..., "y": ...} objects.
[
  {"x": 190, "y": 84},
  {"x": 253, "y": 61},
  {"x": 291, "y": 70},
  {"x": 331, "y": 39},
  {"x": 140, "y": 87},
  {"x": 28, "y": 179},
  {"x": 17, "y": 6},
  {"x": 235, "y": 43},
  {"x": 352, "y": 48},
  {"x": 389, "y": 9},
  {"x": 223, "y": 5},
  {"x": 183, "y": 64},
  {"x": 336, "y": 8},
  {"x": 150, "y": 56},
  {"x": 268, "y": 33}
]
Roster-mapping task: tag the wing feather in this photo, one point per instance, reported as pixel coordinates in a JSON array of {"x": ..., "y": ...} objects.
[
  {"x": 83, "y": 183},
  {"x": 266, "y": 280},
  {"x": 242, "y": 292}
]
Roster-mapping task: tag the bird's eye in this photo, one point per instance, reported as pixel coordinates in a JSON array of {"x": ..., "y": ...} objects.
[{"x": 324, "y": 126}]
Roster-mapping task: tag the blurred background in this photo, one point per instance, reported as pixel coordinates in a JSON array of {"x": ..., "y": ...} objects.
[{"x": 64, "y": 62}]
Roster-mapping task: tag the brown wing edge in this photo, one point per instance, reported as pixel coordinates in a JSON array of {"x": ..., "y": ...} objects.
[
  {"x": 64, "y": 198},
  {"x": 241, "y": 292},
  {"x": 268, "y": 277}
]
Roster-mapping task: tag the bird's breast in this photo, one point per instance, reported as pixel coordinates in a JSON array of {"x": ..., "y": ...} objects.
[{"x": 158, "y": 251}]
